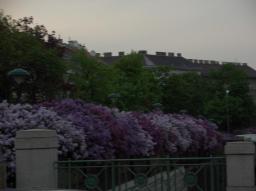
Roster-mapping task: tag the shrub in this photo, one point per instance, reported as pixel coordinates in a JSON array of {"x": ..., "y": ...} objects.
[
  {"x": 20, "y": 117},
  {"x": 89, "y": 131}
]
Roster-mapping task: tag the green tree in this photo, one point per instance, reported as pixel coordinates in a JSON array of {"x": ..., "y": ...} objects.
[
  {"x": 20, "y": 48},
  {"x": 229, "y": 103},
  {"x": 136, "y": 87},
  {"x": 93, "y": 79},
  {"x": 184, "y": 92}
]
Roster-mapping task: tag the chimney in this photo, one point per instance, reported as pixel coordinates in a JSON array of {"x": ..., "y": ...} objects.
[
  {"x": 161, "y": 53},
  {"x": 171, "y": 54},
  {"x": 179, "y": 55},
  {"x": 120, "y": 53},
  {"x": 107, "y": 54},
  {"x": 142, "y": 52}
]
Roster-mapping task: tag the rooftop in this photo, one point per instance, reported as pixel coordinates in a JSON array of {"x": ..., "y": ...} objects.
[{"x": 177, "y": 62}]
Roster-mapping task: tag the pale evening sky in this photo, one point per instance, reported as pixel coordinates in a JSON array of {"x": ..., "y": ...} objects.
[{"x": 223, "y": 30}]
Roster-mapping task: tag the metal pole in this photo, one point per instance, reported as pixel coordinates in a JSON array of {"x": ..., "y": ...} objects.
[
  {"x": 19, "y": 93},
  {"x": 227, "y": 110}
]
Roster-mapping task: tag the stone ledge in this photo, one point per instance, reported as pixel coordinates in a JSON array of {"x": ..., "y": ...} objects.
[
  {"x": 232, "y": 188},
  {"x": 36, "y": 143},
  {"x": 239, "y": 148},
  {"x": 36, "y": 133},
  {"x": 36, "y": 139}
]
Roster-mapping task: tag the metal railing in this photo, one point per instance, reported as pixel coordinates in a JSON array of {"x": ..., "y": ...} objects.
[
  {"x": 3, "y": 174},
  {"x": 147, "y": 174}
]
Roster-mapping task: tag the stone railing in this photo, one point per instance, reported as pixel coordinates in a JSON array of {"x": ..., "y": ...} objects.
[{"x": 36, "y": 152}]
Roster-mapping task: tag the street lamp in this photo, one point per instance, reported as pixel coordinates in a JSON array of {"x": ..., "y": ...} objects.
[
  {"x": 114, "y": 98},
  {"x": 157, "y": 106},
  {"x": 19, "y": 75},
  {"x": 227, "y": 110}
]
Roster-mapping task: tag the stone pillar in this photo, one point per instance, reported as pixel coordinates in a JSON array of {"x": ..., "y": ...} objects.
[
  {"x": 240, "y": 159},
  {"x": 36, "y": 152}
]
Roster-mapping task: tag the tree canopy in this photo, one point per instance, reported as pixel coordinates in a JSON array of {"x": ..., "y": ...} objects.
[
  {"x": 229, "y": 97},
  {"x": 136, "y": 87},
  {"x": 93, "y": 79},
  {"x": 30, "y": 48}
]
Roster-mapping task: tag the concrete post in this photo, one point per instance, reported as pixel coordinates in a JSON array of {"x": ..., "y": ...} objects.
[
  {"x": 36, "y": 152},
  {"x": 240, "y": 157}
]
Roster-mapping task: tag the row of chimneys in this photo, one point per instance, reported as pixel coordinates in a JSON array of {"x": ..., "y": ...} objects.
[
  {"x": 170, "y": 54},
  {"x": 195, "y": 61},
  {"x": 144, "y": 52}
]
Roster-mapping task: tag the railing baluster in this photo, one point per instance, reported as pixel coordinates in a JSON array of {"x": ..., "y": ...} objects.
[
  {"x": 168, "y": 175},
  {"x": 223, "y": 170},
  {"x": 162, "y": 179},
  {"x": 119, "y": 174},
  {"x": 126, "y": 177},
  {"x": 155, "y": 179},
  {"x": 69, "y": 174},
  {"x": 113, "y": 175},
  {"x": 212, "y": 174},
  {"x": 105, "y": 176},
  {"x": 217, "y": 177},
  {"x": 205, "y": 176},
  {"x": 175, "y": 181}
]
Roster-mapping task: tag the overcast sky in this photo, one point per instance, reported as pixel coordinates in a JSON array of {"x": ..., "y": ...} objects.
[{"x": 223, "y": 30}]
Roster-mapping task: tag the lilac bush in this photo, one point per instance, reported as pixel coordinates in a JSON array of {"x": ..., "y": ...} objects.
[
  {"x": 164, "y": 141},
  {"x": 202, "y": 134},
  {"x": 89, "y": 131},
  {"x": 114, "y": 134},
  {"x": 177, "y": 134},
  {"x": 81, "y": 115},
  {"x": 110, "y": 133},
  {"x": 72, "y": 143},
  {"x": 135, "y": 142}
]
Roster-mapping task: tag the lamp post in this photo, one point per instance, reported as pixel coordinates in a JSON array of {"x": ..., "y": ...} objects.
[
  {"x": 227, "y": 111},
  {"x": 157, "y": 106},
  {"x": 114, "y": 98},
  {"x": 68, "y": 85},
  {"x": 19, "y": 75}
]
